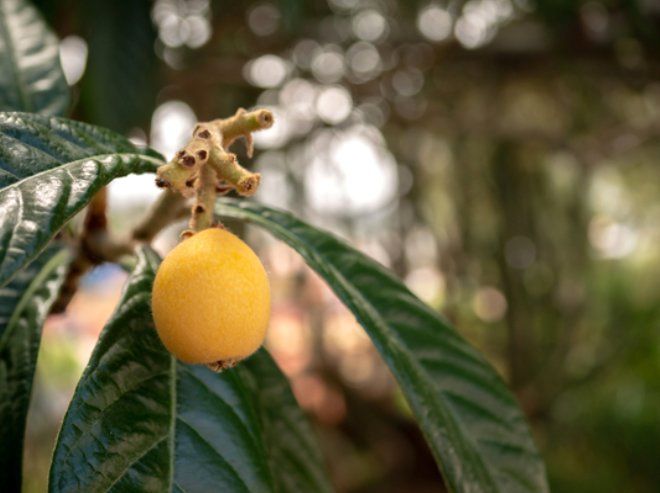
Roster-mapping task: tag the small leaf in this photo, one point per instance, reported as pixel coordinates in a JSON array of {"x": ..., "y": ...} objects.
[
  {"x": 24, "y": 305},
  {"x": 139, "y": 417},
  {"x": 471, "y": 421},
  {"x": 50, "y": 168},
  {"x": 31, "y": 78}
]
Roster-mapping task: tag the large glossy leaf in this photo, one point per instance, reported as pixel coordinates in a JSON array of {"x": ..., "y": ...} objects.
[
  {"x": 470, "y": 419},
  {"x": 139, "y": 417},
  {"x": 49, "y": 170},
  {"x": 31, "y": 78},
  {"x": 24, "y": 305}
]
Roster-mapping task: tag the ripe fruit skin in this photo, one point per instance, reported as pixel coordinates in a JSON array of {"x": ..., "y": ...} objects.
[{"x": 211, "y": 299}]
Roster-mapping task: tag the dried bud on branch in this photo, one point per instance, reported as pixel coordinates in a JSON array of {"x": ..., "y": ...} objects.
[{"x": 204, "y": 168}]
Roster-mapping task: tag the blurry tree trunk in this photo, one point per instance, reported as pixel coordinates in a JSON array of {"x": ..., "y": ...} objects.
[{"x": 512, "y": 193}]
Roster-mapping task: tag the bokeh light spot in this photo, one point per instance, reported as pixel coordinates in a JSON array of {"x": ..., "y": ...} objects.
[
  {"x": 489, "y": 304},
  {"x": 369, "y": 25},
  {"x": 334, "y": 104},
  {"x": 266, "y": 71},
  {"x": 73, "y": 57},
  {"x": 264, "y": 19},
  {"x": 434, "y": 23}
]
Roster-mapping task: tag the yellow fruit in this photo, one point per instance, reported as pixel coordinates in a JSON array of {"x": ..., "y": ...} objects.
[{"x": 211, "y": 299}]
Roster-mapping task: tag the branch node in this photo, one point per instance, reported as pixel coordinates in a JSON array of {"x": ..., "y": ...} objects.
[{"x": 205, "y": 169}]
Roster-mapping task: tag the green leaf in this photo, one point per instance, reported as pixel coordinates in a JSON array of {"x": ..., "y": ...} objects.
[
  {"x": 291, "y": 448},
  {"x": 24, "y": 305},
  {"x": 139, "y": 417},
  {"x": 50, "y": 168},
  {"x": 119, "y": 87},
  {"x": 31, "y": 78},
  {"x": 472, "y": 422}
]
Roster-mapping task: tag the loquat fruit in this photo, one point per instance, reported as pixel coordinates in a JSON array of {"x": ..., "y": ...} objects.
[{"x": 211, "y": 299}]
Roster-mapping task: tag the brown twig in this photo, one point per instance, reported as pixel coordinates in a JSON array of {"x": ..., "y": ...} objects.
[
  {"x": 168, "y": 207},
  {"x": 94, "y": 227},
  {"x": 95, "y": 245},
  {"x": 208, "y": 146}
]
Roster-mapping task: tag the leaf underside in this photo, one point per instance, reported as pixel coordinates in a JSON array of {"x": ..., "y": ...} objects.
[
  {"x": 470, "y": 419},
  {"x": 31, "y": 78},
  {"x": 24, "y": 305},
  {"x": 50, "y": 168},
  {"x": 139, "y": 417}
]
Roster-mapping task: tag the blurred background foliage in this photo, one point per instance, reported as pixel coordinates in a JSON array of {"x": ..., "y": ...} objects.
[{"x": 501, "y": 156}]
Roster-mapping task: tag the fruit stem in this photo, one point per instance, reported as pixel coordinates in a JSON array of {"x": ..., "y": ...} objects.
[
  {"x": 202, "y": 210},
  {"x": 204, "y": 168}
]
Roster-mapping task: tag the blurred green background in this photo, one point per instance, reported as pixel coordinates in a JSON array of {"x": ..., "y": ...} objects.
[{"x": 501, "y": 156}]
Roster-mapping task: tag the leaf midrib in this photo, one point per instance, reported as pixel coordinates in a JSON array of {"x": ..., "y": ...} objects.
[
  {"x": 72, "y": 164},
  {"x": 36, "y": 284},
  {"x": 419, "y": 377}
]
